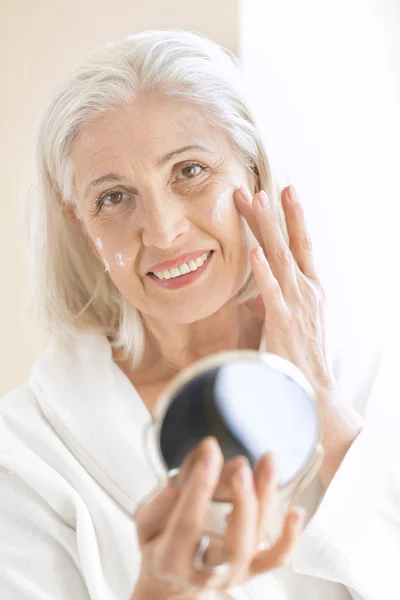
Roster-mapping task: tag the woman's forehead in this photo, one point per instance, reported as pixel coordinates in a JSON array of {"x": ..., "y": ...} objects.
[
  {"x": 146, "y": 127},
  {"x": 150, "y": 156},
  {"x": 135, "y": 134}
]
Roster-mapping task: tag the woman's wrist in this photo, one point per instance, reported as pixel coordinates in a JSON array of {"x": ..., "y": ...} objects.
[
  {"x": 145, "y": 589},
  {"x": 341, "y": 424}
]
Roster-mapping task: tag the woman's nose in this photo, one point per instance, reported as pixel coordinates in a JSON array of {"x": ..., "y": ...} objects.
[{"x": 163, "y": 224}]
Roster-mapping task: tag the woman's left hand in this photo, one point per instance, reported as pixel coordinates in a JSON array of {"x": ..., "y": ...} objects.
[
  {"x": 291, "y": 300},
  {"x": 291, "y": 303}
]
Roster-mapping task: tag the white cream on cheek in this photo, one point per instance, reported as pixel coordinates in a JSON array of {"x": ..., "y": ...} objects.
[
  {"x": 99, "y": 244},
  {"x": 222, "y": 205},
  {"x": 120, "y": 259}
]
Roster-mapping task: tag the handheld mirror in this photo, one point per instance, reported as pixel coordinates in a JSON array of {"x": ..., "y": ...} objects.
[{"x": 252, "y": 403}]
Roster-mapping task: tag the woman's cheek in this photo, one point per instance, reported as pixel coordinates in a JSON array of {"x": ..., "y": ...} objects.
[
  {"x": 112, "y": 257},
  {"x": 222, "y": 206},
  {"x": 223, "y": 209},
  {"x": 100, "y": 247}
]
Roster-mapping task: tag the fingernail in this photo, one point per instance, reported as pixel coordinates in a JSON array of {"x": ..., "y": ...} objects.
[
  {"x": 263, "y": 198},
  {"x": 259, "y": 254},
  {"x": 244, "y": 478},
  {"x": 211, "y": 457},
  {"x": 299, "y": 513},
  {"x": 270, "y": 460},
  {"x": 293, "y": 194},
  {"x": 245, "y": 194},
  {"x": 270, "y": 471}
]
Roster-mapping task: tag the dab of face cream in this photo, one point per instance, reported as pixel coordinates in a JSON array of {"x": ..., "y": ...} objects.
[
  {"x": 221, "y": 205},
  {"x": 99, "y": 243},
  {"x": 121, "y": 260},
  {"x": 106, "y": 265}
]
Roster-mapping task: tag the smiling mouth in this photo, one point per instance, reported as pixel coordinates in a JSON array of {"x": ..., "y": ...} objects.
[
  {"x": 182, "y": 280},
  {"x": 183, "y": 269}
]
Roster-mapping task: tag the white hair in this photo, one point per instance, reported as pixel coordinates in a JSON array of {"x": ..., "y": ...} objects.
[{"x": 71, "y": 291}]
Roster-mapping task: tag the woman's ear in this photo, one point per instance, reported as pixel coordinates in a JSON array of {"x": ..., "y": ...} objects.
[{"x": 70, "y": 212}]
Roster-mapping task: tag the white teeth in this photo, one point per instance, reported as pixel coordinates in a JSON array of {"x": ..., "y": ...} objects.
[
  {"x": 192, "y": 265},
  {"x": 183, "y": 269}
]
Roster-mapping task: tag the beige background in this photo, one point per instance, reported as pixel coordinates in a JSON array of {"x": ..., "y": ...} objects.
[
  {"x": 39, "y": 41},
  {"x": 330, "y": 112}
]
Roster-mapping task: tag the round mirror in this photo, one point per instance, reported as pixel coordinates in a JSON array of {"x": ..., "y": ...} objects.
[{"x": 251, "y": 402}]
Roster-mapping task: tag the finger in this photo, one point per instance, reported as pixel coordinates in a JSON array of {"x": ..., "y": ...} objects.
[
  {"x": 241, "y": 532},
  {"x": 265, "y": 483},
  {"x": 276, "y": 313},
  {"x": 299, "y": 238},
  {"x": 186, "y": 524},
  {"x": 186, "y": 467},
  {"x": 149, "y": 516},
  {"x": 276, "y": 249},
  {"x": 243, "y": 200},
  {"x": 277, "y": 556},
  {"x": 223, "y": 491}
]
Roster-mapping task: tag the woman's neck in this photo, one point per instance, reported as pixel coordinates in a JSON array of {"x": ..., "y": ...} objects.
[{"x": 170, "y": 347}]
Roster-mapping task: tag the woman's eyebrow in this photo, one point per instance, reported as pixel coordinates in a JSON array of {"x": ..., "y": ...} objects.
[
  {"x": 164, "y": 159},
  {"x": 108, "y": 177}
]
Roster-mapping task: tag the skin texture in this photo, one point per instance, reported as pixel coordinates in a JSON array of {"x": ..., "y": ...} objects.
[
  {"x": 158, "y": 212},
  {"x": 291, "y": 302},
  {"x": 176, "y": 209},
  {"x": 171, "y": 524}
]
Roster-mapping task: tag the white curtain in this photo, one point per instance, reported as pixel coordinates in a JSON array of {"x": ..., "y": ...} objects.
[{"x": 324, "y": 79}]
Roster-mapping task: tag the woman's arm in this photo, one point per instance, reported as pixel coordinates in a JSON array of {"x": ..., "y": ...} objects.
[
  {"x": 144, "y": 590},
  {"x": 341, "y": 426}
]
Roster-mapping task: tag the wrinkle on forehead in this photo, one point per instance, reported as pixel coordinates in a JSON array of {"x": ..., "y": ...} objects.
[
  {"x": 124, "y": 141},
  {"x": 143, "y": 124},
  {"x": 137, "y": 152}
]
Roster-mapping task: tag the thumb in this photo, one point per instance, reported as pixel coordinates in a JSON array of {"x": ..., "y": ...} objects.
[
  {"x": 256, "y": 305},
  {"x": 150, "y": 516}
]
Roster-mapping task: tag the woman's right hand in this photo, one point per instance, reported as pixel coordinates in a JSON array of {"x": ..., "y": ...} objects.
[{"x": 170, "y": 526}]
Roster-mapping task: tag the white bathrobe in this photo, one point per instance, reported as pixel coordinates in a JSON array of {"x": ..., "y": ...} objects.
[{"x": 73, "y": 470}]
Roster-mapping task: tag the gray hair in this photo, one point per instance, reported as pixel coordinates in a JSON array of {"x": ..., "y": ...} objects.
[{"x": 70, "y": 290}]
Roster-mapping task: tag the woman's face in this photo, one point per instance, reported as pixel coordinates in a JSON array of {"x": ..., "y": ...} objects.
[{"x": 154, "y": 181}]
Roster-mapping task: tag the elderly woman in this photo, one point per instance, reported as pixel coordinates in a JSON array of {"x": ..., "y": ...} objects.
[{"x": 159, "y": 237}]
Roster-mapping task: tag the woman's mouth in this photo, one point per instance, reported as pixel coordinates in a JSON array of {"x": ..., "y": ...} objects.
[{"x": 183, "y": 275}]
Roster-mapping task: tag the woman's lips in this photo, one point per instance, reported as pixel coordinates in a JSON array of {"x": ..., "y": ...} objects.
[
  {"x": 182, "y": 280},
  {"x": 184, "y": 258}
]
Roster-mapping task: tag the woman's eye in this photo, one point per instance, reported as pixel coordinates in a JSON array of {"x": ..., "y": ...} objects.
[
  {"x": 113, "y": 198},
  {"x": 191, "y": 171},
  {"x": 108, "y": 199}
]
